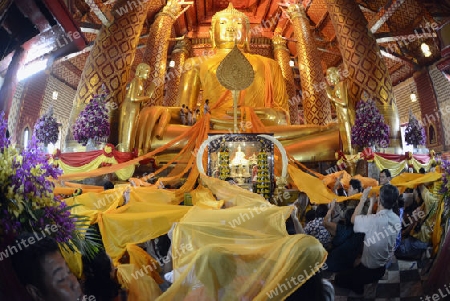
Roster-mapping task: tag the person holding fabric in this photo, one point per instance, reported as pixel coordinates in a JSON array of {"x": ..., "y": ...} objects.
[
  {"x": 381, "y": 230},
  {"x": 421, "y": 225},
  {"x": 346, "y": 244},
  {"x": 354, "y": 187},
  {"x": 316, "y": 227}
]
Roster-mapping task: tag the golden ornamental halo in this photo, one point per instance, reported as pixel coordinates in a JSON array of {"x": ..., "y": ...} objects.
[{"x": 235, "y": 72}]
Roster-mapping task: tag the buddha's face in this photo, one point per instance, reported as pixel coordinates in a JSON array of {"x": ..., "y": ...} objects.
[{"x": 229, "y": 30}]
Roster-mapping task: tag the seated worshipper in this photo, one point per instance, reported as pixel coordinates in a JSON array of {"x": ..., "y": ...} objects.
[
  {"x": 316, "y": 227},
  {"x": 293, "y": 225},
  {"x": 381, "y": 230},
  {"x": 354, "y": 187},
  {"x": 346, "y": 244},
  {"x": 43, "y": 271},
  {"x": 100, "y": 278},
  {"x": 421, "y": 224}
]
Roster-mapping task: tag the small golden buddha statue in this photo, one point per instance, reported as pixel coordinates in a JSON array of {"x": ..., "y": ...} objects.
[
  {"x": 266, "y": 95},
  {"x": 337, "y": 93},
  {"x": 131, "y": 106}
]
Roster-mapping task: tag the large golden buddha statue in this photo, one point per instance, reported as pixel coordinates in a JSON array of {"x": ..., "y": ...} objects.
[
  {"x": 266, "y": 97},
  {"x": 231, "y": 27}
]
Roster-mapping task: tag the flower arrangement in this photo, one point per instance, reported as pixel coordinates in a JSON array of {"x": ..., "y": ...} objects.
[
  {"x": 92, "y": 123},
  {"x": 370, "y": 129},
  {"x": 414, "y": 132},
  {"x": 27, "y": 202},
  {"x": 46, "y": 128},
  {"x": 445, "y": 186}
]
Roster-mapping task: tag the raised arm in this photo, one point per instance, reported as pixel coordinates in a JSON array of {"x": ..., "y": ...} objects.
[
  {"x": 327, "y": 223},
  {"x": 360, "y": 206},
  {"x": 297, "y": 225}
]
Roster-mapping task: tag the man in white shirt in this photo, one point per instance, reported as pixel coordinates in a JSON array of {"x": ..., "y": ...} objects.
[{"x": 381, "y": 230}]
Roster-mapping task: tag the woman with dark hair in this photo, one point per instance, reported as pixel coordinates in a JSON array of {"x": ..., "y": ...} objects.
[
  {"x": 346, "y": 243},
  {"x": 316, "y": 227},
  {"x": 99, "y": 277}
]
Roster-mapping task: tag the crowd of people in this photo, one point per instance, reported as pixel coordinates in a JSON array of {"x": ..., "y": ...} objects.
[{"x": 360, "y": 236}]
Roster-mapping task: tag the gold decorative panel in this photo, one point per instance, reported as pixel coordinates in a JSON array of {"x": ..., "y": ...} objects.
[
  {"x": 110, "y": 60},
  {"x": 157, "y": 48},
  {"x": 316, "y": 106},
  {"x": 367, "y": 71}
]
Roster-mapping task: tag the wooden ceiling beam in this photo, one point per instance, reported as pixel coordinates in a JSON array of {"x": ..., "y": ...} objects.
[
  {"x": 384, "y": 14},
  {"x": 396, "y": 57}
]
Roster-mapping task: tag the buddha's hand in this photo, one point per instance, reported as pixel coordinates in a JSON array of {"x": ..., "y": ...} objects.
[{"x": 223, "y": 120}]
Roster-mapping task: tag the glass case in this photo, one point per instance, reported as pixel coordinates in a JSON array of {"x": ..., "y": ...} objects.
[{"x": 244, "y": 159}]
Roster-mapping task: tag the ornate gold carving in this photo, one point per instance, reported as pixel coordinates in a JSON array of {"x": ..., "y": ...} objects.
[
  {"x": 235, "y": 72},
  {"x": 316, "y": 106}
]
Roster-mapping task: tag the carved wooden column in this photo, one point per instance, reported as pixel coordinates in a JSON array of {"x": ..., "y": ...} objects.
[
  {"x": 157, "y": 48},
  {"x": 109, "y": 62},
  {"x": 316, "y": 105},
  {"x": 364, "y": 62}
]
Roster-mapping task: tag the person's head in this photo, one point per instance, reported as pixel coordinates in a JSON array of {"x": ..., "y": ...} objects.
[
  {"x": 348, "y": 216},
  {"x": 207, "y": 101},
  {"x": 43, "y": 271},
  {"x": 388, "y": 196},
  {"x": 422, "y": 170},
  {"x": 310, "y": 215},
  {"x": 333, "y": 76},
  {"x": 385, "y": 176},
  {"x": 108, "y": 185},
  {"x": 99, "y": 275},
  {"x": 230, "y": 27},
  {"x": 354, "y": 187},
  {"x": 230, "y": 180},
  {"x": 321, "y": 210},
  {"x": 143, "y": 70},
  {"x": 183, "y": 106}
]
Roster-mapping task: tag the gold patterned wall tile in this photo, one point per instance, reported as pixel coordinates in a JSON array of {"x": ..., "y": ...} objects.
[{"x": 102, "y": 66}]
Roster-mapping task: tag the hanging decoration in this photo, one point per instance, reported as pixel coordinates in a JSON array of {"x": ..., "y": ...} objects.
[
  {"x": 93, "y": 121},
  {"x": 370, "y": 129},
  {"x": 46, "y": 128}
]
